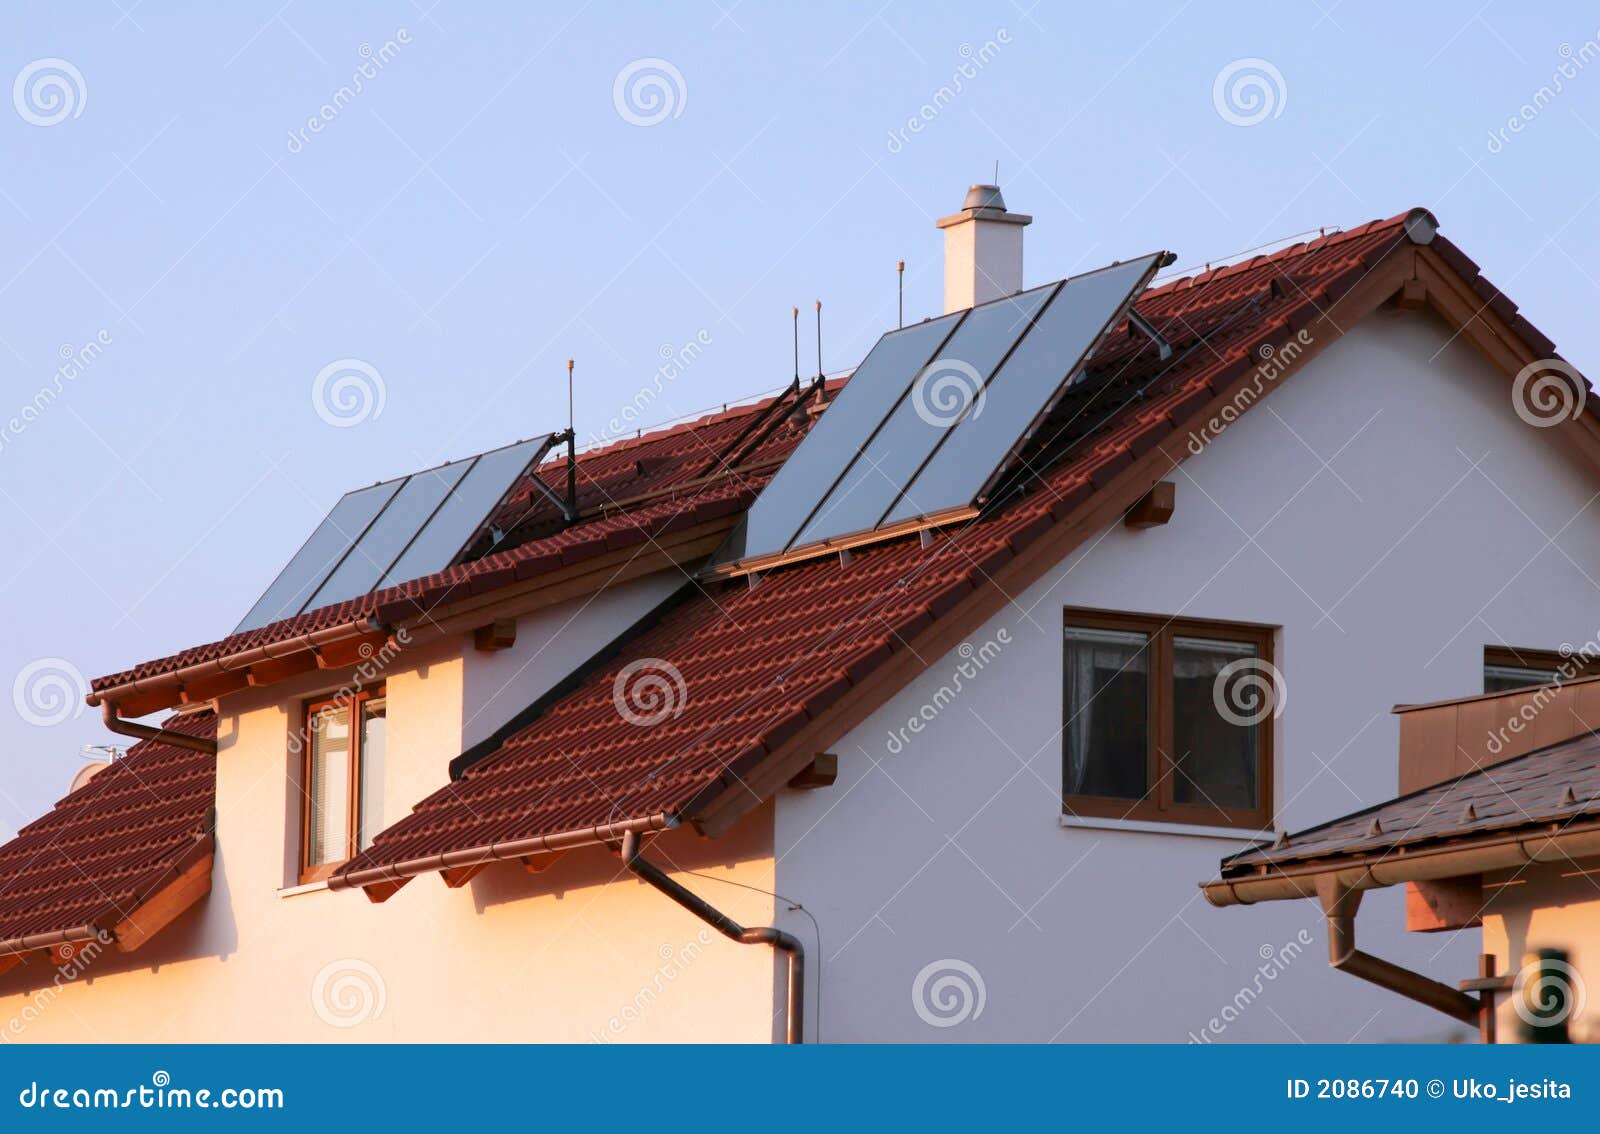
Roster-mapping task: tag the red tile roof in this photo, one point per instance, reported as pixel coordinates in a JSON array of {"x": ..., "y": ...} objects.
[
  {"x": 758, "y": 664},
  {"x": 109, "y": 846},
  {"x": 678, "y": 468}
]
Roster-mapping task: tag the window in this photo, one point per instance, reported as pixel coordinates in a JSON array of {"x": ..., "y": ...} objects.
[
  {"x": 341, "y": 781},
  {"x": 1168, "y": 719},
  {"x": 1507, "y": 668}
]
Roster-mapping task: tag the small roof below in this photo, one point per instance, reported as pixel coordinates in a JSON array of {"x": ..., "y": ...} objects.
[{"x": 1542, "y": 795}]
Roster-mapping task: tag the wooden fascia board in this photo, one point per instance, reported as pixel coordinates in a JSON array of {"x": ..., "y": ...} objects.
[
  {"x": 1104, "y": 508},
  {"x": 165, "y": 905},
  {"x": 519, "y": 599},
  {"x": 1468, "y": 313}
]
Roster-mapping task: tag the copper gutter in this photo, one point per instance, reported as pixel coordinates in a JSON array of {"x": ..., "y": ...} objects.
[
  {"x": 495, "y": 852},
  {"x": 1339, "y": 903},
  {"x": 32, "y": 941},
  {"x": 243, "y": 659},
  {"x": 108, "y": 714},
  {"x": 1390, "y": 868},
  {"x": 794, "y": 1024}
]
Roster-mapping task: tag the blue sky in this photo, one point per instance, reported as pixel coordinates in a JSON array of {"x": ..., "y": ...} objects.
[{"x": 515, "y": 185}]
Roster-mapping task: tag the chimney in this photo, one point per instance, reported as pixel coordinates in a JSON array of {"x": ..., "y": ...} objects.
[{"x": 982, "y": 249}]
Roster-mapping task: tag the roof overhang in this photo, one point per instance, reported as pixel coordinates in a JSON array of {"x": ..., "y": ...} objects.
[
  {"x": 403, "y": 625},
  {"x": 381, "y": 882},
  {"x": 1455, "y": 858},
  {"x": 179, "y": 887}
]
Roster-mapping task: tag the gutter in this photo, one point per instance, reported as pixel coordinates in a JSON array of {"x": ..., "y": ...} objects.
[
  {"x": 108, "y": 714},
  {"x": 32, "y": 941},
  {"x": 1390, "y": 868},
  {"x": 495, "y": 852},
  {"x": 242, "y": 659},
  {"x": 794, "y": 1028}
]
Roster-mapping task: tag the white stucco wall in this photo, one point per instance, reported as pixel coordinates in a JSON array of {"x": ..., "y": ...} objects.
[
  {"x": 1387, "y": 574},
  {"x": 1548, "y": 907},
  {"x": 582, "y": 951}
]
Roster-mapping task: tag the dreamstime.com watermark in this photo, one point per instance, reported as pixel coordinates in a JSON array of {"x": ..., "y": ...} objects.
[
  {"x": 1573, "y": 61},
  {"x": 948, "y": 992},
  {"x": 368, "y": 671},
  {"x": 675, "y": 361},
  {"x": 1548, "y": 992},
  {"x": 49, "y": 691},
  {"x": 973, "y": 62},
  {"x": 947, "y": 391},
  {"x": 1248, "y": 691},
  {"x": 647, "y": 92},
  {"x": 373, "y": 61},
  {"x": 1249, "y": 91},
  {"x": 1548, "y": 391},
  {"x": 348, "y": 992},
  {"x": 72, "y": 961},
  {"x": 75, "y": 361},
  {"x": 1274, "y": 962},
  {"x": 47, "y": 92},
  {"x": 675, "y": 961},
  {"x": 973, "y": 661},
  {"x": 1276, "y": 362},
  {"x": 649, "y": 691},
  {"x": 347, "y": 392},
  {"x": 157, "y": 1094},
  {"x": 1575, "y": 660}
]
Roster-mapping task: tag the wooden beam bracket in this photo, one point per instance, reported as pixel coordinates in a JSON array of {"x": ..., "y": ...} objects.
[
  {"x": 820, "y": 773},
  {"x": 501, "y": 634},
  {"x": 1154, "y": 507}
]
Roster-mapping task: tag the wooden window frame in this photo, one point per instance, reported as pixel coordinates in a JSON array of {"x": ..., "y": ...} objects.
[
  {"x": 354, "y": 702},
  {"x": 1511, "y": 657},
  {"x": 1160, "y": 806}
]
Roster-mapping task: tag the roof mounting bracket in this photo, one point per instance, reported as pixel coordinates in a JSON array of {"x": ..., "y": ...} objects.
[{"x": 1148, "y": 329}]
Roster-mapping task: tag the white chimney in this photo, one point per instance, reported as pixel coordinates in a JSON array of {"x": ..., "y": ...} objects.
[{"x": 982, "y": 249}]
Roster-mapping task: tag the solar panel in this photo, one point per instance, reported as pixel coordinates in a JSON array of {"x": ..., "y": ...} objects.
[
  {"x": 909, "y": 435},
  {"x": 463, "y": 514},
  {"x": 401, "y": 519},
  {"x": 396, "y": 531},
  {"x": 1023, "y": 391},
  {"x": 933, "y": 415},
  {"x": 798, "y": 486},
  {"x": 319, "y": 555}
]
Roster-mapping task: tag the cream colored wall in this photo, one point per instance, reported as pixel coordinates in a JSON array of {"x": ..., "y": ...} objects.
[
  {"x": 1547, "y": 907},
  {"x": 580, "y": 952}
]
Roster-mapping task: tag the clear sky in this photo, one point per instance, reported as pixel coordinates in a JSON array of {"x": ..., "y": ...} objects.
[{"x": 513, "y": 185}]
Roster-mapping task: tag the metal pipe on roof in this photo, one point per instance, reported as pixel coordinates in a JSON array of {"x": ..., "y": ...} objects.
[
  {"x": 794, "y": 1030},
  {"x": 1340, "y": 903},
  {"x": 108, "y": 714}
]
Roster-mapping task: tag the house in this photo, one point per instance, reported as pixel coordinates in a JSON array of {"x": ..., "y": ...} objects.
[
  {"x": 1497, "y": 829},
  {"x": 646, "y": 761}
]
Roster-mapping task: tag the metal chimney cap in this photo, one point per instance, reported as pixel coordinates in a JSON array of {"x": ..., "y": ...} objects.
[
  {"x": 984, "y": 202},
  {"x": 984, "y": 197}
]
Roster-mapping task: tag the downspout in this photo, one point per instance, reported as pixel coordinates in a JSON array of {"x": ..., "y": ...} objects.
[
  {"x": 108, "y": 714},
  {"x": 1340, "y": 902},
  {"x": 794, "y": 1024}
]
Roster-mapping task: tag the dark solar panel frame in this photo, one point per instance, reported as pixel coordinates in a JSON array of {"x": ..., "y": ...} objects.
[
  {"x": 981, "y": 487},
  {"x": 895, "y": 415},
  {"x": 901, "y": 510},
  {"x": 314, "y": 593}
]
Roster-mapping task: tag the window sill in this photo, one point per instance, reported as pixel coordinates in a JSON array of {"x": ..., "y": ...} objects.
[
  {"x": 1232, "y": 834},
  {"x": 302, "y": 888}
]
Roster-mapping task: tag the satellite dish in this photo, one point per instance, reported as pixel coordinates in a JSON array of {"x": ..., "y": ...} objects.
[{"x": 88, "y": 772}]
